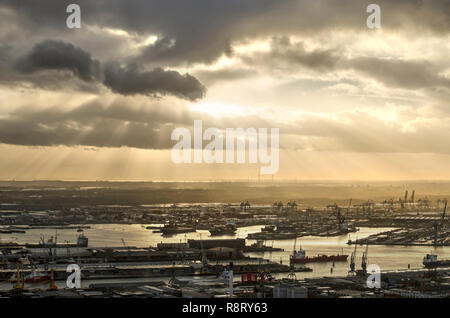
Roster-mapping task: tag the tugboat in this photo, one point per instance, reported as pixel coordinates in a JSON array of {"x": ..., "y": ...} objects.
[{"x": 431, "y": 260}]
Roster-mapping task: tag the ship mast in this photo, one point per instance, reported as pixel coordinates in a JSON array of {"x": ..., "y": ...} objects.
[{"x": 291, "y": 274}]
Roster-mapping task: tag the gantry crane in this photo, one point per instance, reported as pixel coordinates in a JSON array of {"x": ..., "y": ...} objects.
[
  {"x": 352, "y": 259},
  {"x": 364, "y": 259}
]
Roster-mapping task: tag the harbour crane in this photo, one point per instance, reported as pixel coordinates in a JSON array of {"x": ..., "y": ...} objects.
[
  {"x": 277, "y": 206},
  {"x": 443, "y": 214},
  {"x": 125, "y": 246},
  {"x": 270, "y": 253},
  {"x": 340, "y": 219},
  {"x": 364, "y": 259},
  {"x": 295, "y": 244},
  {"x": 245, "y": 205},
  {"x": 204, "y": 258},
  {"x": 19, "y": 281},
  {"x": 292, "y": 206},
  {"x": 348, "y": 208},
  {"x": 352, "y": 258},
  {"x": 291, "y": 274}
]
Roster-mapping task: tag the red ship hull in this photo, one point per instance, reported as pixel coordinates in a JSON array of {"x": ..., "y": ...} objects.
[
  {"x": 38, "y": 279},
  {"x": 35, "y": 279},
  {"x": 320, "y": 259}
]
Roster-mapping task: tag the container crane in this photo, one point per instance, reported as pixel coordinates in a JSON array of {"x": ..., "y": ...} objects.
[
  {"x": 348, "y": 208},
  {"x": 364, "y": 259},
  {"x": 203, "y": 253},
  {"x": 340, "y": 219},
  {"x": 291, "y": 274},
  {"x": 443, "y": 214},
  {"x": 125, "y": 246},
  {"x": 352, "y": 259}
]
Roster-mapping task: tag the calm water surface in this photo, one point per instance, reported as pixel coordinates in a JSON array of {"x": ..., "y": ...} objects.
[{"x": 387, "y": 257}]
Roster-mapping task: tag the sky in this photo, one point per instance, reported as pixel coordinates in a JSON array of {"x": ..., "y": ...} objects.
[{"x": 100, "y": 102}]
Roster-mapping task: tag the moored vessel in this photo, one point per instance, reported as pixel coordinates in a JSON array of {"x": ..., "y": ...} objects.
[
  {"x": 299, "y": 257},
  {"x": 228, "y": 229},
  {"x": 431, "y": 260},
  {"x": 34, "y": 277},
  {"x": 82, "y": 241}
]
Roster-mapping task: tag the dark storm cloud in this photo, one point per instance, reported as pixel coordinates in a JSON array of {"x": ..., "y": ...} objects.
[
  {"x": 124, "y": 123},
  {"x": 130, "y": 81},
  {"x": 35, "y": 68},
  {"x": 282, "y": 48},
  {"x": 397, "y": 73},
  {"x": 192, "y": 31},
  {"x": 107, "y": 133},
  {"x": 5, "y": 54},
  {"x": 102, "y": 124},
  {"x": 210, "y": 77},
  {"x": 203, "y": 30},
  {"x": 121, "y": 122},
  {"x": 56, "y": 55},
  {"x": 95, "y": 123},
  {"x": 400, "y": 73},
  {"x": 61, "y": 56},
  {"x": 120, "y": 109},
  {"x": 185, "y": 50}
]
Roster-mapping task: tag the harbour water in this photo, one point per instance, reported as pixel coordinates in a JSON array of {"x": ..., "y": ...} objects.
[{"x": 386, "y": 257}]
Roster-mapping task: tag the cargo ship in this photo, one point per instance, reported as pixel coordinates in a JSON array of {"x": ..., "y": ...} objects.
[
  {"x": 82, "y": 241},
  {"x": 299, "y": 257},
  {"x": 229, "y": 229},
  {"x": 171, "y": 229},
  {"x": 270, "y": 236},
  {"x": 260, "y": 246},
  {"x": 431, "y": 260},
  {"x": 35, "y": 277},
  {"x": 221, "y": 230}
]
